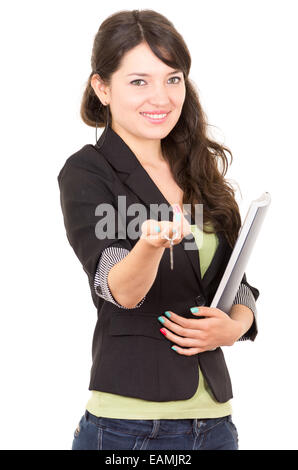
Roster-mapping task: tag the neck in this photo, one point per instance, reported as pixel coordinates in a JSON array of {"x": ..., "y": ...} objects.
[{"x": 147, "y": 151}]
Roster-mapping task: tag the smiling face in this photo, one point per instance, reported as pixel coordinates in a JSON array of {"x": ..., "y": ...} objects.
[{"x": 144, "y": 84}]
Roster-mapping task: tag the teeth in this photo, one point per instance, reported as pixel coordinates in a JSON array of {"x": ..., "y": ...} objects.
[{"x": 155, "y": 116}]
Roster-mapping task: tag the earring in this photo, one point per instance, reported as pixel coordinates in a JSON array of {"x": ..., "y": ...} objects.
[
  {"x": 96, "y": 138},
  {"x": 107, "y": 123}
]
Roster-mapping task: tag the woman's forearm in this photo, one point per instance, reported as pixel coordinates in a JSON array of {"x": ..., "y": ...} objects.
[
  {"x": 244, "y": 316},
  {"x": 131, "y": 278}
]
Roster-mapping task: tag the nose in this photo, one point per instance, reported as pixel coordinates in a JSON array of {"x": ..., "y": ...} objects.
[{"x": 159, "y": 96}]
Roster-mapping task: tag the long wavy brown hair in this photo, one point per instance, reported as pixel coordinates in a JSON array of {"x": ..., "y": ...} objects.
[{"x": 194, "y": 158}]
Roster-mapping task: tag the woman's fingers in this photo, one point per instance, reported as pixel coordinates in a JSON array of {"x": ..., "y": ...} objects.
[
  {"x": 170, "y": 231},
  {"x": 186, "y": 345},
  {"x": 180, "y": 222},
  {"x": 158, "y": 232},
  {"x": 188, "y": 351}
]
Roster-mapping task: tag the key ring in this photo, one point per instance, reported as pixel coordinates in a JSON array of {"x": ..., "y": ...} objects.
[{"x": 168, "y": 238}]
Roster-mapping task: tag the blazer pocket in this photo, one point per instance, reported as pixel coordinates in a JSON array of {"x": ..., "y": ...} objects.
[{"x": 135, "y": 324}]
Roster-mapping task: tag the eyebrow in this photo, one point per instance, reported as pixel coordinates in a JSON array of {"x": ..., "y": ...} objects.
[{"x": 148, "y": 75}]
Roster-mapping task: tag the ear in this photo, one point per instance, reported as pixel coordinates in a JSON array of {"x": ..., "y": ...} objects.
[{"x": 100, "y": 88}]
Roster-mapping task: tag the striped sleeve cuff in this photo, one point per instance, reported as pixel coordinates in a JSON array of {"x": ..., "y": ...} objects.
[
  {"x": 245, "y": 297},
  {"x": 109, "y": 257}
]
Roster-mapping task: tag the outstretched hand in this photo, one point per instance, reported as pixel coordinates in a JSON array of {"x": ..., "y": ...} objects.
[{"x": 191, "y": 336}]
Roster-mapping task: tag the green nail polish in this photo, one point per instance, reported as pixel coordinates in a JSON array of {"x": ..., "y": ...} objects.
[
  {"x": 162, "y": 320},
  {"x": 194, "y": 309},
  {"x": 167, "y": 314},
  {"x": 156, "y": 228},
  {"x": 175, "y": 349}
]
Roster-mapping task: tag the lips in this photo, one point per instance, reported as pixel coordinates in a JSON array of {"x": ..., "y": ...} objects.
[
  {"x": 156, "y": 118},
  {"x": 155, "y": 112}
]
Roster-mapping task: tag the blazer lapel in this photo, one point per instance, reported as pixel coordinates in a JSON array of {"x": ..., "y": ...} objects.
[{"x": 122, "y": 159}]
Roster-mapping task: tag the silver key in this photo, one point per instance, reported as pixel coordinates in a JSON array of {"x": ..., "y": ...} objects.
[{"x": 171, "y": 249}]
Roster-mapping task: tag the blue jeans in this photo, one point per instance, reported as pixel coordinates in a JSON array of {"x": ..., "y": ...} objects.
[{"x": 93, "y": 433}]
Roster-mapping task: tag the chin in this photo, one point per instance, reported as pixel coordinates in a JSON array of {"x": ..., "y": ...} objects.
[{"x": 158, "y": 133}]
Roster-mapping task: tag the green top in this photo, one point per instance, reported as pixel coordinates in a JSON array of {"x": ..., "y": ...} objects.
[{"x": 201, "y": 405}]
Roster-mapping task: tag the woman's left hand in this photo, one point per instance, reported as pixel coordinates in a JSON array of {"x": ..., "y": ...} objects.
[{"x": 192, "y": 336}]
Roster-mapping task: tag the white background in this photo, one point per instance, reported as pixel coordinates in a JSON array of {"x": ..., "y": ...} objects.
[{"x": 244, "y": 64}]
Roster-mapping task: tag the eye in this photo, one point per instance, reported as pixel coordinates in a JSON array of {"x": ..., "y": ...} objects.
[
  {"x": 179, "y": 79},
  {"x": 135, "y": 81}
]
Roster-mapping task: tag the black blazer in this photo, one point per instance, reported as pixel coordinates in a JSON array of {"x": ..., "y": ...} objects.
[{"x": 130, "y": 356}]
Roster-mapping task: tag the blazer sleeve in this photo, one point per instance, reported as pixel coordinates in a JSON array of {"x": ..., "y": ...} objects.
[
  {"x": 82, "y": 190},
  {"x": 247, "y": 295},
  {"x": 109, "y": 257}
]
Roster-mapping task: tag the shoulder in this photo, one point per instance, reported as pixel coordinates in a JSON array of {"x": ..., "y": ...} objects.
[{"x": 86, "y": 162}]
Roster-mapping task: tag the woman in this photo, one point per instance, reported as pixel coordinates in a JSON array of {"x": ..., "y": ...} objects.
[{"x": 158, "y": 378}]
